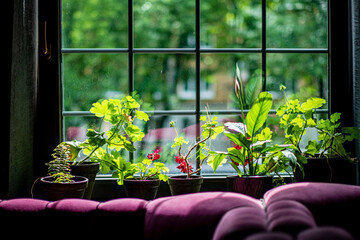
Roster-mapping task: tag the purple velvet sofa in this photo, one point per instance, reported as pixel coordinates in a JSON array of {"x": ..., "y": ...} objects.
[{"x": 300, "y": 211}]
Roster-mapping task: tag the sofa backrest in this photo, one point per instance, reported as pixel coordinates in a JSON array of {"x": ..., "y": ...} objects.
[
  {"x": 330, "y": 204},
  {"x": 195, "y": 216}
]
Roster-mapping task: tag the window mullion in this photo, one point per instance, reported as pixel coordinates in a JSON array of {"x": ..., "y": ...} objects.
[
  {"x": 197, "y": 77},
  {"x": 263, "y": 40}
]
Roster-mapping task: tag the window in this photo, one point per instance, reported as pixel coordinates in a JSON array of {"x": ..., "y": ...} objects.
[{"x": 181, "y": 56}]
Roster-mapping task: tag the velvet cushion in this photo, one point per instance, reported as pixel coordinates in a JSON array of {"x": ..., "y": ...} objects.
[
  {"x": 22, "y": 217},
  {"x": 286, "y": 204},
  {"x": 23, "y": 205},
  {"x": 325, "y": 233},
  {"x": 76, "y": 216},
  {"x": 125, "y": 213},
  {"x": 289, "y": 216},
  {"x": 74, "y": 206},
  {"x": 270, "y": 236},
  {"x": 193, "y": 216},
  {"x": 240, "y": 223},
  {"x": 330, "y": 204}
]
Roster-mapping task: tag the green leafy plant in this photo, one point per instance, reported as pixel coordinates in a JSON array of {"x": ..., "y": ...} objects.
[
  {"x": 119, "y": 116},
  {"x": 200, "y": 149},
  {"x": 59, "y": 167},
  {"x": 253, "y": 153},
  {"x": 146, "y": 172},
  {"x": 246, "y": 95},
  {"x": 296, "y": 118}
]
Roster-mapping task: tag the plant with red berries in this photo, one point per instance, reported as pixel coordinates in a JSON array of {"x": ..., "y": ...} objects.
[{"x": 200, "y": 149}]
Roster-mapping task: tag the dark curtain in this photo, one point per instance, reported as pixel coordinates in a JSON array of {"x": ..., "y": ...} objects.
[{"x": 356, "y": 67}]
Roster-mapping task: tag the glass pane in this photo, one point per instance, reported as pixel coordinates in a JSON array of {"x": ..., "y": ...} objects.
[
  {"x": 75, "y": 128},
  {"x": 231, "y": 24},
  {"x": 218, "y": 73},
  {"x": 90, "y": 77},
  {"x": 166, "y": 81},
  {"x": 94, "y": 24},
  {"x": 164, "y": 24},
  {"x": 159, "y": 135},
  {"x": 304, "y": 75},
  {"x": 221, "y": 143},
  {"x": 296, "y": 24}
]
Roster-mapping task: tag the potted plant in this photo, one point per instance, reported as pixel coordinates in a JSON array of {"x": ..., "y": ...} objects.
[
  {"x": 200, "y": 150},
  {"x": 142, "y": 180},
  {"x": 102, "y": 147},
  {"x": 324, "y": 157},
  {"x": 60, "y": 183},
  {"x": 253, "y": 156}
]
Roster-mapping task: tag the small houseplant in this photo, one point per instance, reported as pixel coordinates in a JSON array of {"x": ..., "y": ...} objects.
[
  {"x": 142, "y": 179},
  {"x": 321, "y": 158},
  {"x": 60, "y": 183},
  {"x": 200, "y": 151},
  {"x": 252, "y": 156},
  {"x": 102, "y": 147}
]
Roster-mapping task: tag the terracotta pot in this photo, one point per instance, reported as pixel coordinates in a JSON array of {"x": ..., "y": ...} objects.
[
  {"x": 145, "y": 189},
  {"x": 335, "y": 170},
  {"x": 55, "y": 191},
  {"x": 254, "y": 186},
  {"x": 182, "y": 185},
  {"x": 88, "y": 170}
]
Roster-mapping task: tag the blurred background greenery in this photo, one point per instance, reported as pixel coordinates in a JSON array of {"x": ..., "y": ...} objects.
[{"x": 167, "y": 80}]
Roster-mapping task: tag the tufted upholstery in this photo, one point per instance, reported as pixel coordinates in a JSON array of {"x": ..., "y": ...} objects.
[
  {"x": 329, "y": 203},
  {"x": 292, "y": 212}
]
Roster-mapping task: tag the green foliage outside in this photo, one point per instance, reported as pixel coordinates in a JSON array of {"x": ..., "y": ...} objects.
[
  {"x": 171, "y": 24},
  {"x": 167, "y": 81}
]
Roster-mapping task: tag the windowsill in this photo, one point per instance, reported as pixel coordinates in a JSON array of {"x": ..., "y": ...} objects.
[{"x": 106, "y": 187}]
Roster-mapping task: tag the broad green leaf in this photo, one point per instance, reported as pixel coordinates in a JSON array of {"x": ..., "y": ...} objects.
[
  {"x": 238, "y": 139},
  {"x": 350, "y": 133},
  {"x": 312, "y": 103},
  {"x": 236, "y": 127},
  {"x": 335, "y": 117},
  {"x": 100, "y": 108},
  {"x": 281, "y": 110},
  {"x": 258, "y": 113},
  {"x": 216, "y": 160},
  {"x": 147, "y": 162},
  {"x": 163, "y": 177},
  {"x": 265, "y": 134},
  {"x": 253, "y": 88},
  {"x": 134, "y": 133},
  {"x": 74, "y": 149},
  {"x": 203, "y": 118},
  {"x": 142, "y": 116},
  {"x": 311, "y": 122},
  {"x": 291, "y": 156},
  {"x": 179, "y": 141},
  {"x": 313, "y": 148},
  {"x": 298, "y": 121}
]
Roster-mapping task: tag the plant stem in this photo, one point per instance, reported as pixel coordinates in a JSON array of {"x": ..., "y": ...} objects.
[{"x": 192, "y": 148}]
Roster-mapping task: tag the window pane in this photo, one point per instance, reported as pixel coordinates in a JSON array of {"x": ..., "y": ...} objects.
[
  {"x": 94, "y": 24},
  {"x": 159, "y": 135},
  {"x": 90, "y": 77},
  {"x": 296, "y": 24},
  {"x": 304, "y": 75},
  {"x": 75, "y": 128},
  {"x": 164, "y": 24},
  {"x": 166, "y": 81},
  {"x": 231, "y": 24},
  {"x": 218, "y": 73}
]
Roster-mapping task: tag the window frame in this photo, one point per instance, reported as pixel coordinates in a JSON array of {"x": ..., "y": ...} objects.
[
  {"x": 340, "y": 78},
  {"x": 131, "y": 51}
]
